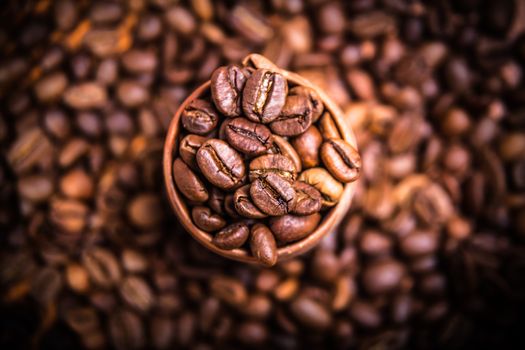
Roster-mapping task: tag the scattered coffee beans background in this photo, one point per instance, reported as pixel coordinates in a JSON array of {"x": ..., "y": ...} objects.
[{"x": 431, "y": 255}]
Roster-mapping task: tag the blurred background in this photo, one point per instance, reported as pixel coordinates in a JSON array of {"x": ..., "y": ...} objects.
[{"x": 430, "y": 256}]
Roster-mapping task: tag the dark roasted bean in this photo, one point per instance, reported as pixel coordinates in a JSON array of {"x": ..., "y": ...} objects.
[
  {"x": 341, "y": 159},
  {"x": 263, "y": 245},
  {"x": 295, "y": 117},
  {"x": 206, "y": 220},
  {"x": 289, "y": 228},
  {"x": 307, "y": 146},
  {"x": 264, "y": 96},
  {"x": 227, "y": 84},
  {"x": 247, "y": 137},
  {"x": 199, "y": 117},
  {"x": 244, "y": 204},
  {"x": 232, "y": 236}
]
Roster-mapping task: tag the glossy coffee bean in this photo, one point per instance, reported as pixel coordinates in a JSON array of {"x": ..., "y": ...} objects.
[
  {"x": 188, "y": 182},
  {"x": 272, "y": 163},
  {"x": 227, "y": 84},
  {"x": 328, "y": 127},
  {"x": 313, "y": 97},
  {"x": 330, "y": 189},
  {"x": 206, "y": 220},
  {"x": 247, "y": 137},
  {"x": 307, "y": 146},
  {"x": 221, "y": 164},
  {"x": 188, "y": 148},
  {"x": 244, "y": 204},
  {"x": 264, "y": 96},
  {"x": 199, "y": 117},
  {"x": 232, "y": 236},
  {"x": 216, "y": 200},
  {"x": 308, "y": 201},
  {"x": 229, "y": 207},
  {"x": 341, "y": 160},
  {"x": 295, "y": 117},
  {"x": 263, "y": 245},
  {"x": 290, "y": 228},
  {"x": 283, "y": 147},
  {"x": 272, "y": 194}
]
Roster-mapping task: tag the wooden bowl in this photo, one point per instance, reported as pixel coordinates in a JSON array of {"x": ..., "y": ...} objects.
[{"x": 330, "y": 219}]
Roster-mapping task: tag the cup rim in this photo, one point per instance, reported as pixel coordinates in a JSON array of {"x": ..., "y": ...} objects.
[{"x": 329, "y": 221}]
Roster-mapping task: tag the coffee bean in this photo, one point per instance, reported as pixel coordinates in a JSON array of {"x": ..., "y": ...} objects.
[
  {"x": 188, "y": 183},
  {"x": 102, "y": 267},
  {"x": 137, "y": 293},
  {"x": 328, "y": 127},
  {"x": 244, "y": 204},
  {"x": 310, "y": 313},
  {"x": 77, "y": 278},
  {"x": 330, "y": 189},
  {"x": 309, "y": 199},
  {"x": 138, "y": 61},
  {"x": 51, "y": 87},
  {"x": 77, "y": 184},
  {"x": 283, "y": 147},
  {"x": 206, "y": 220},
  {"x": 252, "y": 333},
  {"x": 232, "y": 236},
  {"x": 132, "y": 94},
  {"x": 341, "y": 159},
  {"x": 221, "y": 164},
  {"x": 263, "y": 245},
  {"x": 264, "y": 96},
  {"x": 307, "y": 146},
  {"x": 35, "y": 188},
  {"x": 85, "y": 96},
  {"x": 199, "y": 117},
  {"x": 46, "y": 285},
  {"x": 290, "y": 228},
  {"x": 247, "y": 137},
  {"x": 216, "y": 200},
  {"x": 383, "y": 276},
  {"x": 273, "y": 194},
  {"x": 145, "y": 211},
  {"x": 295, "y": 117},
  {"x": 188, "y": 148},
  {"x": 29, "y": 149},
  {"x": 126, "y": 330},
  {"x": 68, "y": 215},
  {"x": 365, "y": 314},
  {"x": 228, "y": 290},
  {"x": 229, "y": 207},
  {"x": 313, "y": 97},
  {"x": 419, "y": 243},
  {"x": 272, "y": 163},
  {"x": 227, "y": 84}
]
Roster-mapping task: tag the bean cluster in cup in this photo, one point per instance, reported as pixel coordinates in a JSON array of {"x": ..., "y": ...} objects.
[{"x": 260, "y": 160}]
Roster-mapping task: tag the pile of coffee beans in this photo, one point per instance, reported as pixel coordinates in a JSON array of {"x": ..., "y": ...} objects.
[
  {"x": 431, "y": 254},
  {"x": 261, "y": 148}
]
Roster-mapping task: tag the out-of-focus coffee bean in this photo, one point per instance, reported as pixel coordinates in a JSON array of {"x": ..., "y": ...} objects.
[
  {"x": 102, "y": 267},
  {"x": 77, "y": 184},
  {"x": 132, "y": 94},
  {"x": 310, "y": 313},
  {"x": 365, "y": 314},
  {"x": 228, "y": 290},
  {"x": 137, "y": 293},
  {"x": 77, "y": 278},
  {"x": 57, "y": 123},
  {"x": 46, "y": 285},
  {"x": 419, "y": 243},
  {"x": 181, "y": 20},
  {"x": 85, "y": 96},
  {"x": 145, "y": 210},
  {"x": 29, "y": 149},
  {"x": 51, "y": 87},
  {"x": 68, "y": 215},
  {"x": 252, "y": 333},
  {"x": 36, "y": 188},
  {"x": 126, "y": 330},
  {"x": 383, "y": 276}
]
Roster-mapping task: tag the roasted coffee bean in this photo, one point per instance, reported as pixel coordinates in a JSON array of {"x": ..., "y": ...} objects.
[
  {"x": 313, "y": 97},
  {"x": 263, "y": 245},
  {"x": 264, "y": 96},
  {"x": 365, "y": 314},
  {"x": 46, "y": 285},
  {"x": 283, "y": 147},
  {"x": 132, "y": 94},
  {"x": 330, "y": 189},
  {"x": 295, "y": 117},
  {"x": 244, "y": 204},
  {"x": 221, "y": 164},
  {"x": 290, "y": 228},
  {"x": 308, "y": 201},
  {"x": 247, "y": 137},
  {"x": 328, "y": 127},
  {"x": 227, "y": 84},
  {"x": 232, "y": 236},
  {"x": 229, "y": 290},
  {"x": 419, "y": 243},
  {"x": 126, "y": 330},
  {"x": 77, "y": 278},
  {"x": 68, "y": 215},
  {"x": 188, "y": 148},
  {"x": 85, "y": 96},
  {"x": 35, "y": 188},
  {"x": 216, "y": 200},
  {"x": 51, "y": 87},
  {"x": 199, "y": 117},
  {"x": 272, "y": 163},
  {"x": 341, "y": 159},
  {"x": 206, "y": 220},
  {"x": 188, "y": 183},
  {"x": 383, "y": 276},
  {"x": 77, "y": 184},
  {"x": 145, "y": 211},
  {"x": 137, "y": 293},
  {"x": 310, "y": 313},
  {"x": 307, "y": 146},
  {"x": 102, "y": 267},
  {"x": 229, "y": 207},
  {"x": 273, "y": 194}
]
